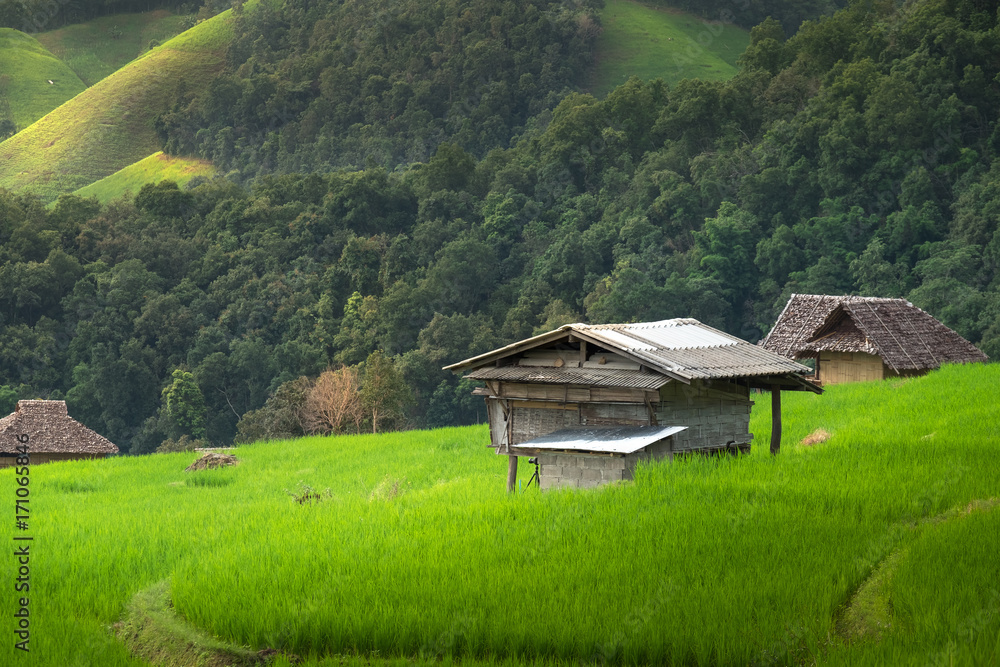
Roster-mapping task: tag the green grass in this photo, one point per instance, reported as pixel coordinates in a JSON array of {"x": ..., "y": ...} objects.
[
  {"x": 26, "y": 68},
  {"x": 90, "y": 50},
  {"x": 153, "y": 169},
  {"x": 110, "y": 125},
  {"x": 418, "y": 552},
  {"x": 656, "y": 42}
]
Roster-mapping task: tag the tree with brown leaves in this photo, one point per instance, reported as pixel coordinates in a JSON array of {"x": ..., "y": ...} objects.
[{"x": 333, "y": 405}]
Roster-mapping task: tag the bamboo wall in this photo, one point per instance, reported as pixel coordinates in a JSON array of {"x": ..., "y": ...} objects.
[
  {"x": 716, "y": 414},
  {"x": 841, "y": 367}
]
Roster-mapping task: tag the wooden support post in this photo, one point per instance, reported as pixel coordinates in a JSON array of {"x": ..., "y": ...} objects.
[
  {"x": 583, "y": 352},
  {"x": 511, "y": 474},
  {"x": 775, "y": 419}
]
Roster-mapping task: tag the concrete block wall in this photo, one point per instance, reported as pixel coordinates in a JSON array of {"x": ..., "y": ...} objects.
[
  {"x": 579, "y": 470},
  {"x": 588, "y": 470}
]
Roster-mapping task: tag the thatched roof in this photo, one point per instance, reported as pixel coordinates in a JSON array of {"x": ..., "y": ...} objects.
[
  {"x": 904, "y": 336},
  {"x": 50, "y": 430},
  {"x": 681, "y": 349}
]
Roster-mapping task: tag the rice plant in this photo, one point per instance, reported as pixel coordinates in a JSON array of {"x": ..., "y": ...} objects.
[{"x": 416, "y": 551}]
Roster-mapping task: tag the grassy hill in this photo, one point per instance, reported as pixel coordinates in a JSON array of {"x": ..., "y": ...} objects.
[
  {"x": 654, "y": 42},
  {"x": 876, "y": 546},
  {"x": 109, "y": 126},
  {"x": 26, "y": 68},
  {"x": 96, "y": 49},
  {"x": 153, "y": 169}
]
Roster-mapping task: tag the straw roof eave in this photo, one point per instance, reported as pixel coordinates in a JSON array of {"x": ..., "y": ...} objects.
[
  {"x": 50, "y": 430},
  {"x": 905, "y": 337}
]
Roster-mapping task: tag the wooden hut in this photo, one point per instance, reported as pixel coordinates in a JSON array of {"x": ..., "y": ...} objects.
[
  {"x": 52, "y": 435},
  {"x": 857, "y": 339},
  {"x": 590, "y": 401}
]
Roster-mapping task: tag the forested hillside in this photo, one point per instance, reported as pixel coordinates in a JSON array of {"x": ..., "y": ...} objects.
[
  {"x": 748, "y": 13},
  {"x": 857, "y": 156},
  {"x": 33, "y": 16},
  {"x": 316, "y": 86}
]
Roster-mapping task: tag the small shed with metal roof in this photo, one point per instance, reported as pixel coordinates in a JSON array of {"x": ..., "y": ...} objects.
[
  {"x": 858, "y": 338},
  {"x": 50, "y": 435},
  {"x": 588, "y": 402}
]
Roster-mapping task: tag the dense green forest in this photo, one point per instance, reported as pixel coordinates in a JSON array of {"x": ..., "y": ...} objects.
[
  {"x": 748, "y": 13},
  {"x": 315, "y": 86},
  {"x": 33, "y": 16},
  {"x": 858, "y": 155}
]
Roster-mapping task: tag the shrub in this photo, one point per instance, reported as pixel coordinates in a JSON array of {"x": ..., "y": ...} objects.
[
  {"x": 183, "y": 444},
  {"x": 279, "y": 418}
]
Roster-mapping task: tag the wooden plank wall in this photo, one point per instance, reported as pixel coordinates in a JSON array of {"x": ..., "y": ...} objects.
[
  {"x": 571, "y": 394},
  {"x": 497, "y": 410}
]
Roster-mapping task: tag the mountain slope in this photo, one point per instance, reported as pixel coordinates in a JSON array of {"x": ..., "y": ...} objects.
[
  {"x": 26, "y": 69},
  {"x": 110, "y": 125},
  {"x": 99, "y": 47},
  {"x": 153, "y": 169}
]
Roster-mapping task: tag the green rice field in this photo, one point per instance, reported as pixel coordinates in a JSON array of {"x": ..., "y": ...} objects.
[{"x": 875, "y": 547}]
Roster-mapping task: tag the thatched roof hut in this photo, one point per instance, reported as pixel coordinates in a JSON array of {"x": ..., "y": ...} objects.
[
  {"x": 855, "y": 338},
  {"x": 587, "y": 402},
  {"x": 52, "y": 434}
]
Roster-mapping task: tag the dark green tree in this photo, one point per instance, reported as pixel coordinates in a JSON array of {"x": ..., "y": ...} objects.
[
  {"x": 384, "y": 394},
  {"x": 184, "y": 403}
]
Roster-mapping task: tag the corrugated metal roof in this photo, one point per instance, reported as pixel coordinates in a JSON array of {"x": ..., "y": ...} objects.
[
  {"x": 677, "y": 334},
  {"x": 605, "y": 439},
  {"x": 584, "y": 376},
  {"x": 691, "y": 349},
  {"x": 681, "y": 348}
]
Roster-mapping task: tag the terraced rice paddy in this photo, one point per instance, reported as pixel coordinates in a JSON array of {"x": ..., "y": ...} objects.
[{"x": 416, "y": 552}]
